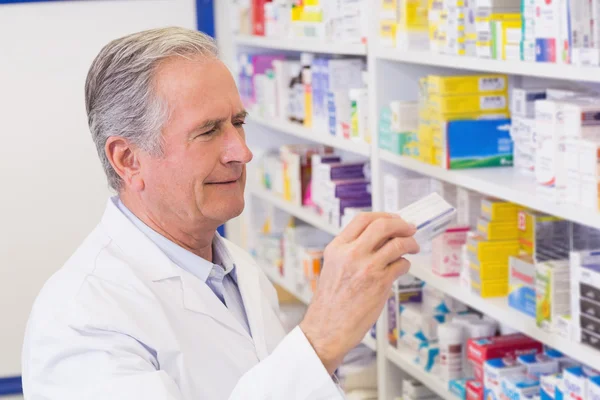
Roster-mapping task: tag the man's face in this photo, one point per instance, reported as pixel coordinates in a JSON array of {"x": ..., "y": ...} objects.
[{"x": 202, "y": 173}]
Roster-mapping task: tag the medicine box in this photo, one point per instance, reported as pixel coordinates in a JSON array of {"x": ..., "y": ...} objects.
[
  {"x": 511, "y": 346},
  {"x": 539, "y": 364},
  {"x": 590, "y": 339},
  {"x": 446, "y": 260},
  {"x": 469, "y": 103},
  {"x": 488, "y": 271},
  {"x": 576, "y": 382},
  {"x": 468, "y": 206},
  {"x": 522, "y": 101},
  {"x": 495, "y": 370},
  {"x": 474, "y": 390},
  {"x": 548, "y": 386},
  {"x": 469, "y": 84},
  {"x": 478, "y": 143},
  {"x": 497, "y": 230},
  {"x": 520, "y": 387},
  {"x": 552, "y": 292},
  {"x": 498, "y": 210},
  {"x": 458, "y": 387},
  {"x": 491, "y": 251},
  {"x": 594, "y": 388},
  {"x": 486, "y": 289},
  {"x": 521, "y": 285}
]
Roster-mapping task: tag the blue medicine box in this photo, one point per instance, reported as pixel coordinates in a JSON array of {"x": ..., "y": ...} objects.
[{"x": 478, "y": 143}]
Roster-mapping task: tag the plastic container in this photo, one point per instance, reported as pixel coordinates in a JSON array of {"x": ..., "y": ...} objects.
[{"x": 451, "y": 341}]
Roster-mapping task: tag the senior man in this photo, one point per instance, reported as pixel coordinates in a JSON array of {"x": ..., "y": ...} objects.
[{"x": 154, "y": 304}]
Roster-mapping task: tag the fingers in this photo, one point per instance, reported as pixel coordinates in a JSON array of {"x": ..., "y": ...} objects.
[
  {"x": 360, "y": 223},
  {"x": 397, "y": 269},
  {"x": 382, "y": 230},
  {"x": 395, "y": 249}
]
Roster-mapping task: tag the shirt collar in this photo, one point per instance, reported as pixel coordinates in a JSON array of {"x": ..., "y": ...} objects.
[{"x": 180, "y": 256}]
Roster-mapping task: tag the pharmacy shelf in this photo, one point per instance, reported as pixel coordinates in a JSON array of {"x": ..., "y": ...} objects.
[
  {"x": 305, "y": 298},
  {"x": 404, "y": 361},
  {"x": 304, "y": 213},
  {"x": 295, "y": 44},
  {"x": 498, "y": 309},
  {"x": 540, "y": 70},
  {"x": 503, "y": 183},
  {"x": 290, "y": 128}
]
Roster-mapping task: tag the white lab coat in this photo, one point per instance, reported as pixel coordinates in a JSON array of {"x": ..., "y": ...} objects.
[{"x": 121, "y": 321}]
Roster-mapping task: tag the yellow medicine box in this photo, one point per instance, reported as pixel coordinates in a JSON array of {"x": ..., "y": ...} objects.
[
  {"x": 387, "y": 33},
  {"x": 426, "y": 153},
  {"x": 439, "y": 155},
  {"x": 497, "y": 230},
  {"x": 491, "y": 251},
  {"x": 489, "y": 271},
  {"x": 497, "y": 288},
  {"x": 469, "y": 103},
  {"x": 451, "y": 85},
  {"x": 499, "y": 210}
]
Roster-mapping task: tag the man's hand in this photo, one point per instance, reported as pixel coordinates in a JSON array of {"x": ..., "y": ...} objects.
[{"x": 360, "y": 266}]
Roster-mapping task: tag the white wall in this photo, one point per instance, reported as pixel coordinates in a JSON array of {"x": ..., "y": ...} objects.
[{"x": 53, "y": 189}]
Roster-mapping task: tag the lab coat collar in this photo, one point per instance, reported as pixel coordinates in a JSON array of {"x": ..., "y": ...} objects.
[{"x": 152, "y": 263}]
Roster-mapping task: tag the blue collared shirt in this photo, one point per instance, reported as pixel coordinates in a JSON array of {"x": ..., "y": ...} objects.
[{"x": 220, "y": 276}]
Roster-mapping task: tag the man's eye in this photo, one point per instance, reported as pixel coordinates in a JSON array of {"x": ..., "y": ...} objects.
[
  {"x": 239, "y": 123},
  {"x": 208, "y": 133}
]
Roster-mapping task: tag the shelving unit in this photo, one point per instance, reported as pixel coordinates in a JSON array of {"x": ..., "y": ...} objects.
[
  {"x": 303, "y": 213},
  {"x": 503, "y": 183},
  {"x": 403, "y": 361},
  {"x": 311, "y": 45},
  {"x": 499, "y": 309},
  {"x": 393, "y": 75},
  {"x": 290, "y": 128},
  {"x": 539, "y": 70}
]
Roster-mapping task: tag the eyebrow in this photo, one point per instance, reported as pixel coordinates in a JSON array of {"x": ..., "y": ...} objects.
[{"x": 216, "y": 122}]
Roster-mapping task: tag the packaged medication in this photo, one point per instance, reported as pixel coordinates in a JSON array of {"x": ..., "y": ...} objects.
[
  {"x": 450, "y": 342},
  {"x": 509, "y": 346},
  {"x": 522, "y": 102},
  {"x": 552, "y": 292},
  {"x": 495, "y": 370},
  {"x": 539, "y": 364},
  {"x": 576, "y": 382},
  {"x": 485, "y": 289},
  {"x": 594, "y": 388},
  {"x": 447, "y": 248},
  {"x": 488, "y": 271},
  {"x": 469, "y": 103},
  {"x": 549, "y": 386},
  {"x": 521, "y": 285},
  {"x": 498, "y": 210},
  {"x": 474, "y": 390},
  {"x": 520, "y": 387},
  {"x": 458, "y": 388},
  {"x": 491, "y": 251},
  {"x": 431, "y": 215},
  {"x": 497, "y": 230},
  {"x": 453, "y": 85}
]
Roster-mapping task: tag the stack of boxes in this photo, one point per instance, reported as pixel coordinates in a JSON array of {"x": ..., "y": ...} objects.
[
  {"x": 452, "y": 28},
  {"x": 448, "y": 136},
  {"x": 490, "y": 249},
  {"x": 528, "y": 17},
  {"x": 398, "y": 124},
  {"x": 403, "y": 23},
  {"x": 585, "y": 299},
  {"x": 522, "y": 130},
  {"x": 495, "y": 21}
]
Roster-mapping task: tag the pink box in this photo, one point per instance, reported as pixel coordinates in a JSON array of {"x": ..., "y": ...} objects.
[{"x": 447, "y": 251}]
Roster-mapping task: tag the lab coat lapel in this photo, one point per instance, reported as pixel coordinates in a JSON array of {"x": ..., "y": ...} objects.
[
  {"x": 149, "y": 261},
  {"x": 198, "y": 297},
  {"x": 250, "y": 289}
]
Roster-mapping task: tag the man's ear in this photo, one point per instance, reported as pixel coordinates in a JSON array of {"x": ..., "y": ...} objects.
[{"x": 125, "y": 160}]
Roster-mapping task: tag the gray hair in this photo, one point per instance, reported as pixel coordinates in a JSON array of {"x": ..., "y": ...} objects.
[{"x": 119, "y": 89}]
